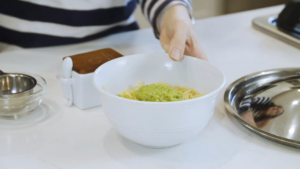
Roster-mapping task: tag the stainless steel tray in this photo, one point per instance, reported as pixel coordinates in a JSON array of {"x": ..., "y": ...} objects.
[
  {"x": 276, "y": 116},
  {"x": 267, "y": 24}
]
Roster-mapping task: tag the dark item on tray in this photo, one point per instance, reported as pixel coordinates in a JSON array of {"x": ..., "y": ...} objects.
[{"x": 289, "y": 19}]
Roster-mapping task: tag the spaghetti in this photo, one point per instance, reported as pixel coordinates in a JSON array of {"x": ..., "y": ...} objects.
[{"x": 159, "y": 92}]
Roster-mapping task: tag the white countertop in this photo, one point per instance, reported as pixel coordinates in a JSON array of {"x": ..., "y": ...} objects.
[{"x": 69, "y": 138}]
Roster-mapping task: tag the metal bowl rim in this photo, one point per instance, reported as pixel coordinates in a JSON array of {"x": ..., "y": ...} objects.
[
  {"x": 42, "y": 90},
  {"x": 22, "y": 74},
  {"x": 228, "y": 106}
]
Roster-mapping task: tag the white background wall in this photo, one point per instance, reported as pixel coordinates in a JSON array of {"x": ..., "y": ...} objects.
[
  {"x": 209, "y": 8},
  {"x": 202, "y": 9}
]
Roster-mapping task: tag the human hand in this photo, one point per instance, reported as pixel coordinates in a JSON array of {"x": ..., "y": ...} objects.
[{"x": 177, "y": 35}]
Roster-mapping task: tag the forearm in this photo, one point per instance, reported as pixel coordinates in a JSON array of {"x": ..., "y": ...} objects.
[
  {"x": 172, "y": 24},
  {"x": 154, "y": 11}
]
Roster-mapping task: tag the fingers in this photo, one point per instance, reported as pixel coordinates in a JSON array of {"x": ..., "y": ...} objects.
[
  {"x": 183, "y": 41},
  {"x": 164, "y": 41},
  {"x": 177, "y": 44},
  {"x": 165, "y": 46},
  {"x": 197, "y": 52},
  {"x": 194, "y": 49}
]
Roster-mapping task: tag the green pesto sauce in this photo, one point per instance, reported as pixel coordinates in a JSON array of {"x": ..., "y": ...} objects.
[{"x": 158, "y": 93}]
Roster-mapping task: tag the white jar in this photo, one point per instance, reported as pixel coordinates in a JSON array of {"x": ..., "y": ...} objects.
[
  {"x": 77, "y": 79},
  {"x": 79, "y": 88}
]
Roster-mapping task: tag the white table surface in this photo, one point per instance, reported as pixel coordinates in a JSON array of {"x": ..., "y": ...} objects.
[{"x": 69, "y": 138}]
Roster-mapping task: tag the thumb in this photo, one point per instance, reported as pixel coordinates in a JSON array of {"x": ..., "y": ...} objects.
[{"x": 177, "y": 45}]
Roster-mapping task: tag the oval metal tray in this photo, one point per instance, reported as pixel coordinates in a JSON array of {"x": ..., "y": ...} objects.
[{"x": 268, "y": 103}]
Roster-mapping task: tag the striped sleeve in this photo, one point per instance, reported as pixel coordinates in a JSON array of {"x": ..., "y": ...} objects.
[
  {"x": 152, "y": 9},
  {"x": 42, "y": 23}
]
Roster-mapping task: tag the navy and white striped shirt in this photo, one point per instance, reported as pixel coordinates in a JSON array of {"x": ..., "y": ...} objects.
[{"x": 41, "y": 23}]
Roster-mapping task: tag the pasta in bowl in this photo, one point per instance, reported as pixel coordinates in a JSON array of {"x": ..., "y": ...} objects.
[
  {"x": 156, "y": 123},
  {"x": 159, "y": 92}
]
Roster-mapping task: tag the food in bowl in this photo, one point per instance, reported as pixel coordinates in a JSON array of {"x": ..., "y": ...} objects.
[
  {"x": 159, "y": 92},
  {"x": 158, "y": 124}
]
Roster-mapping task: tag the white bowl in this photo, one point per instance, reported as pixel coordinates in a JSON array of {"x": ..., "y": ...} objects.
[{"x": 157, "y": 124}]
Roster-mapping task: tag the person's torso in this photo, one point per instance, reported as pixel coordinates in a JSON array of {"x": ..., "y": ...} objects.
[{"x": 39, "y": 23}]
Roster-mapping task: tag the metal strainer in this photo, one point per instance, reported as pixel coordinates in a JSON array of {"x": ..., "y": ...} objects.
[{"x": 13, "y": 85}]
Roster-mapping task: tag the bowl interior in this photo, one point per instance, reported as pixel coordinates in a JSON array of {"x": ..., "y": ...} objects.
[
  {"x": 124, "y": 73},
  {"x": 14, "y": 83}
]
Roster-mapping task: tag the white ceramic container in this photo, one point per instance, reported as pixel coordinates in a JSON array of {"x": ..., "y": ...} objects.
[{"x": 78, "y": 88}]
